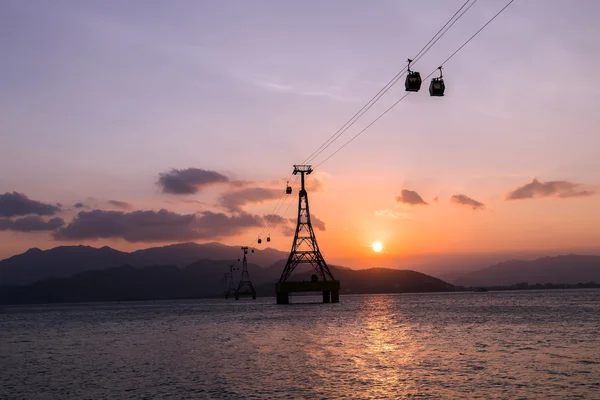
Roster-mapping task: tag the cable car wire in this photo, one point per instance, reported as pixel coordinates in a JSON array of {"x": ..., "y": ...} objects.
[
  {"x": 443, "y": 30},
  {"x": 273, "y": 214},
  {"x": 428, "y": 76},
  {"x": 435, "y": 38}
]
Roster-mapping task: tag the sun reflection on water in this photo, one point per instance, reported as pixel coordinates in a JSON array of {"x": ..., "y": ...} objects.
[{"x": 502, "y": 346}]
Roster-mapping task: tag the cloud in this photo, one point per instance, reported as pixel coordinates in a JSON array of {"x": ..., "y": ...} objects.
[
  {"x": 317, "y": 223},
  {"x": 79, "y": 205},
  {"x": 391, "y": 214},
  {"x": 410, "y": 197},
  {"x": 274, "y": 183},
  {"x": 121, "y": 204},
  {"x": 288, "y": 230},
  {"x": 235, "y": 200},
  {"x": 17, "y": 204},
  {"x": 32, "y": 223},
  {"x": 286, "y": 225},
  {"x": 274, "y": 219},
  {"x": 315, "y": 185},
  {"x": 189, "y": 180},
  {"x": 148, "y": 226},
  {"x": 561, "y": 189},
  {"x": 467, "y": 201}
]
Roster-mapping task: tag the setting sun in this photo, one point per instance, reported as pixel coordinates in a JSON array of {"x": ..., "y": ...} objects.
[{"x": 377, "y": 247}]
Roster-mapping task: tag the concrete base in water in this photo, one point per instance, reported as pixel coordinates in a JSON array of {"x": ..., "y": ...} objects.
[
  {"x": 330, "y": 290},
  {"x": 238, "y": 295}
]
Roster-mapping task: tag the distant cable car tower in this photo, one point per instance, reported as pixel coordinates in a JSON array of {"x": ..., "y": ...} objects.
[
  {"x": 306, "y": 250},
  {"x": 230, "y": 292},
  {"x": 245, "y": 287}
]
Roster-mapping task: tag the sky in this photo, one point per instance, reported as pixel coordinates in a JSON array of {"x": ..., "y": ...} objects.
[{"x": 144, "y": 123}]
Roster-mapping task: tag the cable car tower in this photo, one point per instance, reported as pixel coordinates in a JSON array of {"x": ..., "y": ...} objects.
[
  {"x": 230, "y": 291},
  {"x": 245, "y": 287},
  {"x": 306, "y": 250}
]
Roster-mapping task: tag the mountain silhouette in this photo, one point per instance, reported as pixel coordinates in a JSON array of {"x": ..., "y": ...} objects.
[
  {"x": 64, "y": 261},
  {"x": 566, "y": 269},
  {"x": 373, "y": 281},
  {"x": 201, "y": 279}
]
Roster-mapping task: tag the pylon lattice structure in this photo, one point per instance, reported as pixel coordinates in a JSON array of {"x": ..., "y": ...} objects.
[
  {"x": 305, "y": 250},
  {"x": 230, "y": 291},
  {"x": 245, "y": 287}
]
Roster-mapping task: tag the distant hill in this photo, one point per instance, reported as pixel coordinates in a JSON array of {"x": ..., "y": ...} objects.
[
  {"x": 386, "y": 280},
  {"x": 201, "y": 279},
  {"x": 64, "y": 261},
  {"x": 378, "y": 280},
  {"x": 569, "y": 269}
]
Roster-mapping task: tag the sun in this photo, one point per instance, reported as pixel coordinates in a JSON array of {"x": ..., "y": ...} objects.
[{"x": 377, "y": 246}]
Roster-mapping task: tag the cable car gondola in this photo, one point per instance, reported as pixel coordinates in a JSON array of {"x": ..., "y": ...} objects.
[
  {"x": 413, "y": 80},
  {"x": 437, "y": 87},
  {"x": 259, "y": 240},
  {"x": 288, "y": 189},
  {"x": 269, "y": 238}
]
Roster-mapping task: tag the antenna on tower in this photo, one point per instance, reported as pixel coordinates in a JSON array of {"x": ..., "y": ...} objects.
[
  {"x": 245, "y": 287},
  {"x": 306, "y": 250}
]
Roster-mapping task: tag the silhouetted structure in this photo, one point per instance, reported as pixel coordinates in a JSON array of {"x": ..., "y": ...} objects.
[
  {"x": 245, "y": 287},
  {"x": 230, "y": 291},
  {"x": 306, "y": 250}
]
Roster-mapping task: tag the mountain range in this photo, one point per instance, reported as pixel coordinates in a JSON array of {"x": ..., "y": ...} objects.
[
  {"x": 84, "y": 273},
  {"x": 64, "y": 261},
  {"x": 570, "y": 269},
  {"x": 201, "y": 279}
]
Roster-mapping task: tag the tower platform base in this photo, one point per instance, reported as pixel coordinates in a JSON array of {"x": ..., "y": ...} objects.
[
  {"x": 330, "y": 290},
  {"x": 245, "y": 294}
]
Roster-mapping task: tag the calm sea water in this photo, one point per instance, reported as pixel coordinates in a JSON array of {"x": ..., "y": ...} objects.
[{"x": 505, "y": 345}]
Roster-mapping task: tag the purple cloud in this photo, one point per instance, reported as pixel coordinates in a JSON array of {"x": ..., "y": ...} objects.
[
  {"x": 410, "y": 197},
  {"x": 461, "y": 199},
  {"x": 189, "y": 180},
  {"x": 148, "y": 226},
  {"x": 32, "y": 223},
  {"x": 235, "y": 200},
  {"x": 17, "y": 204},
  {"x": 561, "y": 189},
  {"x": 121, "y": 204}
]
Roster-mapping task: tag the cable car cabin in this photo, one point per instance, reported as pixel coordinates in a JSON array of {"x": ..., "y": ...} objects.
[
  {"x": 413, "y": 81},
  {"x": 259, "y": 240},
  {"x": 288, "y": 190},
  {"x": 437, "y": 87},
  {"x": 269, "y": 238}
]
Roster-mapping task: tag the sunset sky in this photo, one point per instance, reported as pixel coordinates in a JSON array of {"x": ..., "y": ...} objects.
[{"x": 112, "y": 111}]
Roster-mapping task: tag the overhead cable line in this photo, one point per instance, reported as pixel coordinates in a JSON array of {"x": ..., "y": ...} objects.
[
  {"x": 434, "y": 39},
  {"x": 428, "y": 76},
  {"x": 272, "y": 215},
  {"x": 441, "y": 32}
]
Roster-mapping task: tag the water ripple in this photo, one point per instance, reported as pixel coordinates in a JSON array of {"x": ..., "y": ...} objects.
[{"x": 464, "y": 345}]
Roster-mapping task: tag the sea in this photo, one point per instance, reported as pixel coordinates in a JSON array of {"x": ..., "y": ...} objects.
[{"x": 492, "y": 345}]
